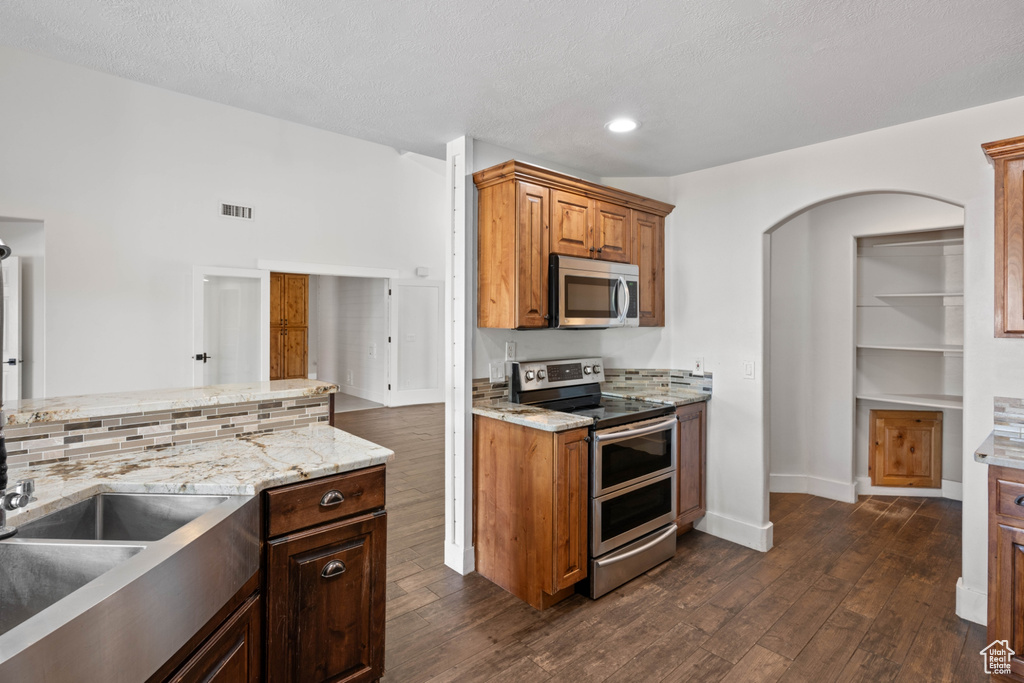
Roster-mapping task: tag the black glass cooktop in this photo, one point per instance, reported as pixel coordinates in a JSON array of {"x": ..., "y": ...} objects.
[{"x": 614, "y": 411}]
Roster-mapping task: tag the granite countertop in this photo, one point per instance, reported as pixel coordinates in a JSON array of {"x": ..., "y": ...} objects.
[
  {"x": 672, "y": 397},
  {"x": 530, "y": 416},
  {"x": 1002, "y": 448},
  {"x": 34, "y": 410},
  {"x": 239, "y": 466}
]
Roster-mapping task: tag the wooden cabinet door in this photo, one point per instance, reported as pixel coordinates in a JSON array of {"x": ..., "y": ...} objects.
[
  {"x": 231, "y": 655},
  {"x": 296, "y": 300},
  {"x": 570, "y": 497},
  {"x": 692, "y": 454},
  {"x": 612, "y": 232},
  {"x": 1006, "y": 607},
  {"x": 326, "y": 591},
  {"x": 649, "y": 254},
  {"x": 572, "y": 224},
  {"x": 276, "y": 352},
  {"x": 295, "y": 361},
  {"x": 1008, "y": 156},
  {"x": 906, "y": 448},
  {"x": 277, "y": 298},
  {"x": 534, "y": 208}
]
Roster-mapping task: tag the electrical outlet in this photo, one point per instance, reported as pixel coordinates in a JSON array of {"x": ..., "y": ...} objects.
[
  {"x": 748, "y": 369},
  {"x": 510, "y": 350},
  {"x": 698, "y": 367},
  {"x": 348, "y": 377},
  {"x": 497, "y": 369}
]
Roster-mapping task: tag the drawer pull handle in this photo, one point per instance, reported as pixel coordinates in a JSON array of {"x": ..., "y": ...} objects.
[
  {"x": 332, "y": 498},
  {"x": 1019, "y": 501},
  {"x": 333, "y": 568}
]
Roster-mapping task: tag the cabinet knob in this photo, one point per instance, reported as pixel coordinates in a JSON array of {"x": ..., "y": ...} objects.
[
  {"x": 332, "y": 498},
  {"x": 332, "y": 569}
]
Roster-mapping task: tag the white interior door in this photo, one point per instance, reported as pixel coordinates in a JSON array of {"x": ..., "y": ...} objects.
[
  {"x": 232, "y": 326},
  {"x": 417, "y": 308},
  {"x": 12, "y": 361}
]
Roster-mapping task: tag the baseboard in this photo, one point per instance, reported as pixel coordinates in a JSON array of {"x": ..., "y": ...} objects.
[
  {"x": 749, "y": 535},
  {"x": 462, "y": 560},
  {"x": 950, "y": 489},
  {"x": 369, "y": 395},
  {"x": 816, "y": 486},
  {"x": 971, "y": 605}
]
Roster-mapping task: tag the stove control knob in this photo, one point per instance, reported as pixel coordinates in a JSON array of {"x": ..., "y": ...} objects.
[
  {"x": 529, "y": 375},
  {"x": 597, "y": 369},
  {"x": 541, "y": 374},
  {"x": 586, "y": 369}
]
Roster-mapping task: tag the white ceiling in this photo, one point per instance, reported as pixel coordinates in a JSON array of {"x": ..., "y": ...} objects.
[{"x": 711, "y": 82}]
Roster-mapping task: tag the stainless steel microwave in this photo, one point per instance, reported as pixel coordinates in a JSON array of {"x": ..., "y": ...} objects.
[{"x": 588, "y": 293}]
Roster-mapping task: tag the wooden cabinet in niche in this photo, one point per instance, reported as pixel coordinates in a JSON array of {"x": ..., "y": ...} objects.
[
  {"x": 906, "y": 448},
  {"x": 526, "y": 213},
  {"x": 289, "y": 321},
  {"x": 1008, "y": 158}
]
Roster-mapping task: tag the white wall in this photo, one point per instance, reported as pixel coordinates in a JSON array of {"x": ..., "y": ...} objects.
[
  {"x": 128, "y": 180},
  {"x": 722, "y": 214},
  {"x": 812, "y": 331},
  {"x": 353, "y": 315},
  {"x": 25, "y": 238}
]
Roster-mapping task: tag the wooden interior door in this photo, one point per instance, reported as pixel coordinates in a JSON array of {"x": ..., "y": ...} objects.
[
  {"x": 612, "y": 238},
  {"x": 906, "y": 448},
  {"x": 649, "y": 254},
  {"x": 572, "y": 224}
]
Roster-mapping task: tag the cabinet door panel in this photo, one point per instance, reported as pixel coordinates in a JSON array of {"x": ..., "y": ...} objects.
[
  {"x": 534, "y": 209},
  {"x": 276, "y": 352},
  {"x": 649, "y": 254},
  {"x": 295, "y": 361},
  {"x": 277, "y": 298},
  {"x": 612, "y": 232},
  {"x": 326, "y": 593},
  {"x": 906, "y": 448},
  {"x": 570, "y": 515},
  {"x": 231, "y": 655},
  {"x": 296, "y": 299},
  {"x": 692, "y": 440},
  {"x": 571, "y": 224}
]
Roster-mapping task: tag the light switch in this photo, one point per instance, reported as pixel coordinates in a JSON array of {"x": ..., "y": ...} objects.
[{"x": 748, "y": 369}]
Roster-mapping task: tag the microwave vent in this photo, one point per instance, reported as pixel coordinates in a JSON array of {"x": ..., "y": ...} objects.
[{"x": 236, "y": 211}]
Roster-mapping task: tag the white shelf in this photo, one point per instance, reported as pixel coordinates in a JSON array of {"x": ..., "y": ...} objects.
[
  {"x": 923, "y": 400},
  {"x": 949, "y": 241},
  {"x": 934, "y": 348},
  {"x": 919, "y": 295}
]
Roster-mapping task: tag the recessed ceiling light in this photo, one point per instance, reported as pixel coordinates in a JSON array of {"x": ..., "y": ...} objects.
[{"x": 622, "y": 125}]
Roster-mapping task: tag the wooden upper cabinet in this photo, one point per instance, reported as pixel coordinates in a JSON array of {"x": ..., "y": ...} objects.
[
  {"x": 526, "y": 213},
  {"x": 572, "y": 224},
  {"x": 649, "y": 254},
  {"x": 296, "y": 300},
  {"x": 277, "y": 298},
  {"x": 1008, "y": 157},
  {"x": 613, "y": 232}
]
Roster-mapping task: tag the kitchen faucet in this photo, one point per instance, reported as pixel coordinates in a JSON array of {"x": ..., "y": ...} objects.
[{"x": 20, "y": 496}]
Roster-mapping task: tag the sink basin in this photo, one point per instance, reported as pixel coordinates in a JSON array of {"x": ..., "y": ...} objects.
[
  {"x": 121, "y": 517},
  {"x": 34, "y": 576}
]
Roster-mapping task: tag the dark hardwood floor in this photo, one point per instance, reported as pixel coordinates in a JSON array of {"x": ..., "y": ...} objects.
[{"x": 850, "y": 592}]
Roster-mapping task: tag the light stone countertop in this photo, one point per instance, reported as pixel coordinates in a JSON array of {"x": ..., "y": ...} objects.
[
  {"x": 1002, "y": 450},
  {"x": 36, "y": 410},
  {"x": 239, "y": 466},
  {"x": 530, "y": 416},
  {"x": 672, "y": 397}
]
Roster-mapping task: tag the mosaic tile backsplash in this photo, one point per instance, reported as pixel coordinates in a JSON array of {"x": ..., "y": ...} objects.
[
  {"x": 1009, "y": 416},
  {"x": 34, "y": 444},
  {"x": 617, "y": 379}
]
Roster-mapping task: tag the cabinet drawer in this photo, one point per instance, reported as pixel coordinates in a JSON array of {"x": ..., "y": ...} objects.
[
  {"x": 1007, "y": 494},
  {"x": 298, "y": 506}
]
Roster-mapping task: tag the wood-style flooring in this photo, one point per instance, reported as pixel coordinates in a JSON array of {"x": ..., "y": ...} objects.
[{"x": 850, "y": 592}]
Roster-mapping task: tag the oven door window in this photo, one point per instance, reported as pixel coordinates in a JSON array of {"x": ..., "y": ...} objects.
[
  {"x": 628, "y": 514},
  {"x": 589, "y": 297},
  {"x": 634, "y": 458}
]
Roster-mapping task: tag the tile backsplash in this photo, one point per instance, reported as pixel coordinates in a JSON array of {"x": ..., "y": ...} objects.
[
  {"x": 616, "y": 379},
  {"x": 1008, "y": 416},
  {"x": 89, "y": 437}
]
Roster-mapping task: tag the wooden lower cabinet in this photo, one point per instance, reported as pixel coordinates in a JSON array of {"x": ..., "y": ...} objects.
[
  {"x": 232, "y": 654},
  {"x": 325, "y": 611},
  {"x": 1006, "y": 564},
  {"x": 530, "y": 504},
  {"x": 906, "y": 448},
  {"x": 691, "y": 505}
]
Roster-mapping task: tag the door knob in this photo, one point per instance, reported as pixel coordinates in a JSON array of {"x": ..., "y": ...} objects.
[{"x": 203, "y": 357}]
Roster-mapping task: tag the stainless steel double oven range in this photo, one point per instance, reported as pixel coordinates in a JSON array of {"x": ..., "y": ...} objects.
[{"x": 633, "y": 454}]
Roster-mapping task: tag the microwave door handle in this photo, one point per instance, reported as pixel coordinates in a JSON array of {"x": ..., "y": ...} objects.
[{"x": 624, "y": 306}]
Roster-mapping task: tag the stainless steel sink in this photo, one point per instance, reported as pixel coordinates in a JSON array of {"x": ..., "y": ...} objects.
[
  {"x": 121, "y": 517},
  {"x": 34, "y": 576}
]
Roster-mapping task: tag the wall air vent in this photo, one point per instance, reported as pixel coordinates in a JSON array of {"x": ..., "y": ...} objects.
[{"x": 236, "y": 211}]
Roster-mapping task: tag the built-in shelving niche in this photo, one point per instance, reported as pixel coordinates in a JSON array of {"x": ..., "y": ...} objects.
[{"x": 910, "y": 328}]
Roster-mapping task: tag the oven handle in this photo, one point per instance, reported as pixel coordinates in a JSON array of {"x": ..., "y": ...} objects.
[
  {"x": 630, "y": 433},
  {"x": 670, "y": 531}
]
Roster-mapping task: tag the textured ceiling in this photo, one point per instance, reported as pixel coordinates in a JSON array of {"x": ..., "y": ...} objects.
[{"x": 711, "y": 82}]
